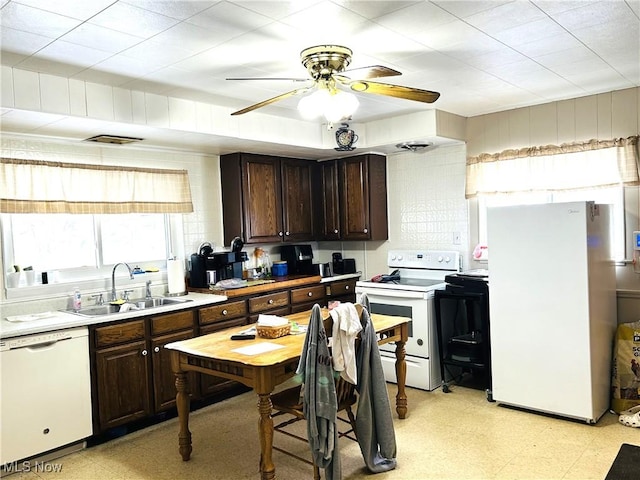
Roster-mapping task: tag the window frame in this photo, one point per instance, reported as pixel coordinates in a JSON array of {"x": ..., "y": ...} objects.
[{"x": 94, "y": 278}]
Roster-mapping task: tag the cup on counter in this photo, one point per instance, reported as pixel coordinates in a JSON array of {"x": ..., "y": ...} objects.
[
  {"x": 30, "y": 277},
  {"x": 13, "y": 279}
]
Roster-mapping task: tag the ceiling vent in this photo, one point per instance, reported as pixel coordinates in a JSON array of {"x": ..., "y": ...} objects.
[
  {"x": 113, "y": 139},
  {"x": 414, "y": 146}
]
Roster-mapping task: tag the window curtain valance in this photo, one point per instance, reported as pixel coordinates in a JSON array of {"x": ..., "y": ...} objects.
[
  {"x": 595, "y": 163},
  {"x": 34, "y": 186}
]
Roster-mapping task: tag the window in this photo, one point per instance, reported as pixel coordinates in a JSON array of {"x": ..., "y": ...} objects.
[
  {"x": 81, "y": 246},
  {"x": 607, "y": 195}
]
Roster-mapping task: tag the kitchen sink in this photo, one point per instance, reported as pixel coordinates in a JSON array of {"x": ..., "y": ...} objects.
[
  {"x": 158, "y": 301},
  {"x": 108, "y": 309},
  {"x": 97, "y": 310}
]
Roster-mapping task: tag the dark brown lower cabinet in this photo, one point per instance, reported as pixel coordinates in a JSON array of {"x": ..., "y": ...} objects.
[
  {"x": 123, "y": 384},
  {"x": 131, "y": 372}
]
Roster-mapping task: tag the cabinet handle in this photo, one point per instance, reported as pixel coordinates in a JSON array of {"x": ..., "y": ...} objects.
[
  {"x": 366, "y": 230},
  {"x": 156, "y": 349},
  {"x": 346, "y": 287},
  {"x": 144, "y": 353},
  {"x": 335, "y": 230},
  {"x": 280, "y": 234},
  {"x": 310, "y": 294},
  {"x": 286, "y": 233},
  {"x": 224, "y": 312},
  {"x": 270, "y": 302}
]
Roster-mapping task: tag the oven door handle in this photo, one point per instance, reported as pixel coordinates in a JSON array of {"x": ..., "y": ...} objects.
[{"x": 376, "y": 293}]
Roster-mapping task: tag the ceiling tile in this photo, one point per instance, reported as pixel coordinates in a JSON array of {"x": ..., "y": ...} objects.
[
  {"x": 374, "y": 10},
  {"x": 70, "y": 8},
  {"x": 416, "y": 19},
  {"x": 226, "y": 20},
  {"x": 25, "y": 43},
  {"x": 132, "y": 20},
  {"x": 505, "y": 16},
  {"x": 464, "y": 9},
  {"x": 178, "y": 9},
  {"x": 100, "y": 38},
  {"x": 275, "y": 10},
  {"x": 27, "y": 19}
]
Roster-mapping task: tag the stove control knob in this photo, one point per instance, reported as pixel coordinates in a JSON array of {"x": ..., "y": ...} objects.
[
  {"x": 447, "y": 259},
  {"x": 440, "y": 259},
  {"x": 393, "y": 257},
  {"x": 400, "y": 257}
]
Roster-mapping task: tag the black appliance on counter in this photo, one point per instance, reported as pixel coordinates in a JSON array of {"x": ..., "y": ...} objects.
[
  {"x": 342, "y": 265},
  {"x": 462, "y": 320},
  {"x": 299, "y": 259},
  {"x": 225, "y": 265}
]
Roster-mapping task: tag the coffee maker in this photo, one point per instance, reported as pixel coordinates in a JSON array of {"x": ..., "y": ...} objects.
[
  {"x": 207, "y": 266},
  {"x": 299, "y": 259}
]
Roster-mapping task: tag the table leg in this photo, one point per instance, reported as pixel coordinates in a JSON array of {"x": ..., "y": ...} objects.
[
  {"x": 265, "y": 431},
  {"x": 401, "y": 377},
  {"x": 182, "y": 404}
]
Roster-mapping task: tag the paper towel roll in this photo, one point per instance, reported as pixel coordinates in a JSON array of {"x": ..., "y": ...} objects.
[{"x": 175, "y": 276}]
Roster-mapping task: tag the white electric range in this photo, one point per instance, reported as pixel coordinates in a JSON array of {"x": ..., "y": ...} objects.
[{"x": 409, "y": 292}]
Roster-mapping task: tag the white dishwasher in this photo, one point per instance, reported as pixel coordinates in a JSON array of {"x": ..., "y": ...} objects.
[{"x": 45, "y": 400}]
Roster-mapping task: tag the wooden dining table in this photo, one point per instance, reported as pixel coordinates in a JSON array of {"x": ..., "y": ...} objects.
[{"x": 262, "y": 364}]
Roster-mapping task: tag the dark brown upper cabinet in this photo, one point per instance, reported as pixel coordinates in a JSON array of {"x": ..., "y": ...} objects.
[
  {"x": 354, "y": 198},
  {"x": 267, "y": 199}
]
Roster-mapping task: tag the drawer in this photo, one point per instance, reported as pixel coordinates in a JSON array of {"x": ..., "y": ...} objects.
[
  {"x": 171, "y": 322},
  {"x": 223, "y": 311},
  {"x": 335, "y": 289},
  {"x": 315, "y": 293},
  {"x": 119, "y": 333},
  {"x": 268, "y": 302}
]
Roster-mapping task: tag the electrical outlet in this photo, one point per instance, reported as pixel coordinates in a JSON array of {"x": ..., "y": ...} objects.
[{"x": 456, "y": 238}]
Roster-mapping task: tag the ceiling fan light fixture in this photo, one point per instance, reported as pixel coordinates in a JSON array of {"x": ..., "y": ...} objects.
[{"x": 334, "y": 106}]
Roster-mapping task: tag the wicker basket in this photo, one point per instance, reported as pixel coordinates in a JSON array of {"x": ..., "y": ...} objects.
[{"x": 273, "y": 332}]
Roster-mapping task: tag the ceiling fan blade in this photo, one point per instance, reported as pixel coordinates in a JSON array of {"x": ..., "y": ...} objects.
[
  {"x": 408, "y": 93},
  {"x": 270, "y": 78},
  {"x": 373, "y": 71},
  {"x": 272, "y": 100}
]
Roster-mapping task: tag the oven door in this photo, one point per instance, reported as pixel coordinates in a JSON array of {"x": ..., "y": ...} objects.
[{"x": 422, "y": 358}]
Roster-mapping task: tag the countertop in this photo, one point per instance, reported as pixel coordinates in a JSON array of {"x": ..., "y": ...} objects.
[
  {"x": 59, "y": 320},
  {"x": 276, "y": 283},
  {"x": 196, "y": 297}
]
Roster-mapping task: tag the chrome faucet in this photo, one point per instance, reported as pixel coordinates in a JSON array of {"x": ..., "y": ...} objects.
[
  {"x": 114, "y": 295},
  {"x": 148, "y": 293}
]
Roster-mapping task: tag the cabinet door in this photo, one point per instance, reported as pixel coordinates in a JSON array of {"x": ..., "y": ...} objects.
[
  {"x": 123, "y": 385},
  {"x": 262, "y": 199},
  {"x": 164, "y": 381},
  {"x": 297, "y": 199},
  {"x": 330, "y": 214},
  {"x": 363, "y": 199}
]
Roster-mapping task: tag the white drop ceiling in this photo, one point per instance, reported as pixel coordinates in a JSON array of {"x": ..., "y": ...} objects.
[{"x": 482, "y": 56}]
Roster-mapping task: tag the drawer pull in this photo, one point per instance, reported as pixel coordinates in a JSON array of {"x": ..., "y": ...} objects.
[
  {"x": 156, "y": 349},
  {"x": 346, "y": 287},
  {"x": 270, "y": 302},
  {"x": 310, "y": 294},
  {"x": 144, "y": 353},
  {"x": 225, "y": 311}
]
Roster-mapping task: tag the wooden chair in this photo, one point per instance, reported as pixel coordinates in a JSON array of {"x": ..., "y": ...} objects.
[{"x": 288, "y": 403}]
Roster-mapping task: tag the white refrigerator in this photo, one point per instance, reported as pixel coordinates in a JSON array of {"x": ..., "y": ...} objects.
[{"x": 552, "y": 307}]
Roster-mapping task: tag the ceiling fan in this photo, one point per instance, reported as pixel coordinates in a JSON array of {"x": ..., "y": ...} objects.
[{"x": 327, "y": 65}]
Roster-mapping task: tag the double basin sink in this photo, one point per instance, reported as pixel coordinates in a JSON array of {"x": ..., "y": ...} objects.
[{"x": 109, "y": 309}]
